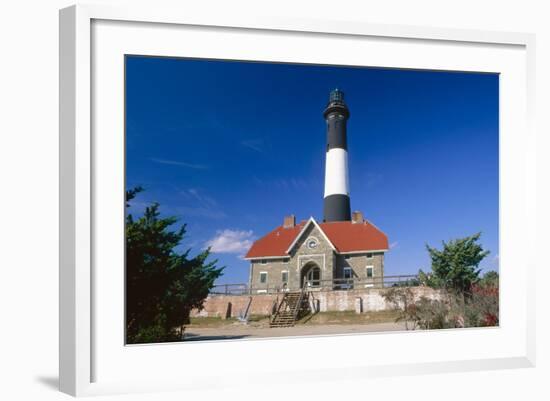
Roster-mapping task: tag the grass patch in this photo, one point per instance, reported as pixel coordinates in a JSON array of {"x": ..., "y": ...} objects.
[
  {"x": 258, "y": 318},
  {"x": 213, "y": 322},
  {"x": 210, "y": 321},
  {"x": 345, "y": 317},
  {"x": 350, "y": 317}
]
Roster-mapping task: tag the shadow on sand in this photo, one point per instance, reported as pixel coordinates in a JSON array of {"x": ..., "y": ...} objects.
[{"x": 198, "y": 337}]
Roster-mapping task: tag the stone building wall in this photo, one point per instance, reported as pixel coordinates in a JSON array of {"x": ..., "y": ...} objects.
[
  {"x": 303, "y": 256},
  {"x": 359, "y": 263},
  {"x": 274, "y": 269}
]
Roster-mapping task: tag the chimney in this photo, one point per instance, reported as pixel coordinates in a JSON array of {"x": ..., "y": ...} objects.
[
  {"x": 357, "y": 217},
  {"x": 290, "y": 221}
]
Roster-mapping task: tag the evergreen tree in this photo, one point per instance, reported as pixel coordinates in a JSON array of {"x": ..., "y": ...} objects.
[
  {"x": 490, "y": 279},
  {"x": 162, "y": 285},
  {"x": 455, "y": 267}
]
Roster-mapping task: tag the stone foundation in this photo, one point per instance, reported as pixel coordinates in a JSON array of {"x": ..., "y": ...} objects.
[{"x": 359, "y": 300}]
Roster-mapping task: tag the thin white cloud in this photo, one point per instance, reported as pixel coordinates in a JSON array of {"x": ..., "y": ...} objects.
[
  {"x": 197, "y": 195},
  {"x": 287, "y": 184},
  {"x": 193, "y": 202},
  {"x": 209, "y": 213},
  {"x": 231, "y": 241},
  {"x": 394, "y": 244},
  {"x": 254, "y": 144},
  {"x": 180, "y": 164}
]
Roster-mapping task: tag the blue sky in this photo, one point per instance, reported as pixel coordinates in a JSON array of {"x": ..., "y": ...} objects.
[{"x": 231, "y": 147}]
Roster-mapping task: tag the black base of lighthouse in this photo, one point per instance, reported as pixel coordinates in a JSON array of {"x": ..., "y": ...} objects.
[{"x": 337, "y": 208}]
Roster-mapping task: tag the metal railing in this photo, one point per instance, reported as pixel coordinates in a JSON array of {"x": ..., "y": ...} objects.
[{"x": 409, "y": 280}]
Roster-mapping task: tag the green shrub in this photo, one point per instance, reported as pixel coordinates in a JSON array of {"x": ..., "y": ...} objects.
[
  {"x": 479, "y": 308},
  {"x": 432, "y": 314}
]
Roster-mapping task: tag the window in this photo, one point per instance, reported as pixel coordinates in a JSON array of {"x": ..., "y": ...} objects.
[
  {"x": 347, "y": 272},
  {"x": 347, "y": 282},
  {"x": 370, "y": 271},
  {"x": 370, "y": 255},
  {"x": 284, "y": 277},
  {"x": 263, "y": 277},
  {"x": 347, "y": 257},
  {"x": 285, "y": 261},
  {"x": 312, "y": 243},
  {"x": 263, "y": 261}
]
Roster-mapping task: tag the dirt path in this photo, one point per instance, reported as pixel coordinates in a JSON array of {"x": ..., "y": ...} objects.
[{"x": 239, "y": 331}]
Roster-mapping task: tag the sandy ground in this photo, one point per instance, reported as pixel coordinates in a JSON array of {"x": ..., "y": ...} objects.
[{"x": 240, "y": 331}]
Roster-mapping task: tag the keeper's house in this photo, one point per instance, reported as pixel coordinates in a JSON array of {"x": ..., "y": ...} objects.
[{"x": 318, "y": 255}]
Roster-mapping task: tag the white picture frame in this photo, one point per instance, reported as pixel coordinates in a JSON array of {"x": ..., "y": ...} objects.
[{"x": 80, "y": 208}]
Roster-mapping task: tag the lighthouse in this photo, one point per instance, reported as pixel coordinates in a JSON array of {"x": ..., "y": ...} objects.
[
  {"x": 336, "y": 199},
  {"x": 309, "y": 244}
]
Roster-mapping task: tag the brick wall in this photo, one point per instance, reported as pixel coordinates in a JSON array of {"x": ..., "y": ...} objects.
[
  {"x": 328, "y": 301},
  {"x": 233, "y": 305}
]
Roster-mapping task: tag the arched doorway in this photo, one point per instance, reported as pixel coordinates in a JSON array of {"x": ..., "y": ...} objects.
[{"x": 311, "y": 275}]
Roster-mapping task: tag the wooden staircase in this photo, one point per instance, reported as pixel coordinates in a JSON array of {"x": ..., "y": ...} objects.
[{"x": 292, "y": 307}]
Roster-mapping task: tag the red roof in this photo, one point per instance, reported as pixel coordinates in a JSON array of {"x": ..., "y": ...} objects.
[{"x": 344, "y": 235}]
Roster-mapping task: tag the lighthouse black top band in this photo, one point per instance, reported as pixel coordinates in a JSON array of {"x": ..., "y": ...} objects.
[{"x": 336, "y": 115}]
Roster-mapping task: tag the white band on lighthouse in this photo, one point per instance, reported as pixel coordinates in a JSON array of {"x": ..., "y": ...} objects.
[{"x": 336, "y": 172}]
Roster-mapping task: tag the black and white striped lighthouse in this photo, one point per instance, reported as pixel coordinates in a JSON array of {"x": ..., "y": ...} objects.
[{"x": 336, "y": 201}]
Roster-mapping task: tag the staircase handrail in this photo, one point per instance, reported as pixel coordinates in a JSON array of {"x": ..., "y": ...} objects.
[
  {"x": 299, "y": 303},
  {"x": 283, "y": 300}
]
